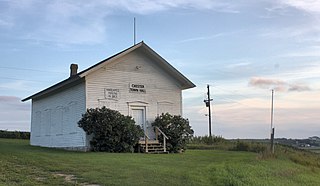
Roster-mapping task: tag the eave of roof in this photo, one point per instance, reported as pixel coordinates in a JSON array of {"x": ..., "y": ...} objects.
[
  {"x": 184, "y": 82},
  {"x": 74, "y": 80}
]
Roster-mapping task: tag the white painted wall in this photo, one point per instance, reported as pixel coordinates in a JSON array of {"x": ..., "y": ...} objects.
[
  {"x": 54, "y": 119},
  {"x": 162, "y": 93}
]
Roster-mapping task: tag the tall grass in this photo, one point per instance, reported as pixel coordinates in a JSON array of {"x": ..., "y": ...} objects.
[
  {"x": 209, "y": 143},
  {"x": 219, "y": 143},
  {"x": 299, "y": 156},
  {"x": 208, "y": 140}
]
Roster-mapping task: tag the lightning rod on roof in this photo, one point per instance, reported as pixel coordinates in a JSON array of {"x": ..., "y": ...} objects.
[{"x": 134, "y": 30}]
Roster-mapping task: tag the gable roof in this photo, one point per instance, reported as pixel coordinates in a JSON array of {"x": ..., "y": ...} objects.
[{"x": 183, "y": 82}]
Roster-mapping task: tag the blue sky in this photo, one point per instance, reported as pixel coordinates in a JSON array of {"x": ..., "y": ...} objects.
[{"x": 243, "y": 49}]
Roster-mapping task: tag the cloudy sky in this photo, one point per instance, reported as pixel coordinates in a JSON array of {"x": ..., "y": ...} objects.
[{"x": 243, "y": 49}]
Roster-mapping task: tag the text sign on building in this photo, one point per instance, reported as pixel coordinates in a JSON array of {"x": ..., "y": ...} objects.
[
  {"x": 111, "y": 93},
  {"x": 137, "y": 88}
]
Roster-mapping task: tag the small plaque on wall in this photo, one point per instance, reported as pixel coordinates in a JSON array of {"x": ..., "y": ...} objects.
[
  {"x": 137, "y": 88},
  {"x": 110, "y": 93}
]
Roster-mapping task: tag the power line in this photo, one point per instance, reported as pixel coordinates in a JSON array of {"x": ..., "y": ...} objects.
[
  {"x": 233, "y": 101},
  {"x": 232, "y": 92},
  {"x": 25, "y": 80},
  {"x": 29, "y": 69}
]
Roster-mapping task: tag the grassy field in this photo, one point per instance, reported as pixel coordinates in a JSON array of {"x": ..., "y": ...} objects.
[
  {"x": 316, "y": 151},
  {"x": 21, "y": 164},
  {"x": 313, "y": 149}
]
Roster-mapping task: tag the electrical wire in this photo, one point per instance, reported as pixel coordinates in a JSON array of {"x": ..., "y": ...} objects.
[
  {"x": 18, "y": 79},
  {"x": 29, "y": 69}
]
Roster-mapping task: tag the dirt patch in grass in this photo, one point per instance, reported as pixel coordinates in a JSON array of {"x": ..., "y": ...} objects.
[{"x": 69, "y": 178}]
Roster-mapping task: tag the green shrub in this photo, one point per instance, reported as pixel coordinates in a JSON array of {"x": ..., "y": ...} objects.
[
  {"x": 14, "y": 134},
  {"x": 258, "y": 147},
  {"x": 249, "y": 147},
  {"x": 241, "y": 146},
  {"x": 176, "y": 128},
  {"x": 111, "y": 131},
  {"x": 208, "y": 140}
]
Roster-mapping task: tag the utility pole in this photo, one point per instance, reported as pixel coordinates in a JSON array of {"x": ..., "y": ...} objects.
[
  {"x": 208, "y": 104},
  {"x": 272, "y": 127}
]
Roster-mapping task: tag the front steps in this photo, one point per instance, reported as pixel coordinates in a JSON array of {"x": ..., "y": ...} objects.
[{"x": 152, "y": 147}]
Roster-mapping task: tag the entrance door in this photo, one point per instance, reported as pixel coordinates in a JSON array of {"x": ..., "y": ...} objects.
[{"x": 138, "y": 114}]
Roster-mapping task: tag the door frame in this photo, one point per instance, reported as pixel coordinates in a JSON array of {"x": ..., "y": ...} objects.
[
  {"x": 144, "y": 115},
  {"x": 139, "y": 105}
]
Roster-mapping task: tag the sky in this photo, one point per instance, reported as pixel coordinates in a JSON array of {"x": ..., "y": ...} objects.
[{"x": 243, "y": 49}]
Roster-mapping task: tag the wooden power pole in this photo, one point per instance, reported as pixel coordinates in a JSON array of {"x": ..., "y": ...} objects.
[
  {"x": 208, "y": 104},
  {"x": 272, "y": 127}
]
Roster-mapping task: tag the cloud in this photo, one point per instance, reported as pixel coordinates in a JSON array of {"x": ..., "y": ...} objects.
[
  {"x": 14, "y": 115},
  {"x": 6, "y": 99},
  {"x": 204, "y": 38},
  {"x": 232, "y": 120},
  {"x": 267, "y": 83},
  {"x": 311, "y": 6},
  {"x": 76, "y": 22},
  {"x": 18, "y": 85},
  {"x": 302, "y": 21},
  {"x": 152, "y": 6},
  {"x": 311, "y": 51},
  {"x": 12, "y": 103},
  {"x": 240, "y": 64},
  {"x": 301, "y": 71},
  {"x": 298, "y": 88},
  {"x": 5, "y": 23},
  {"x": 201, "y": 38},
  {"x": 306, "y": 32},
  {"x": 70, "y": 23},
  {"x": 278, "y": 85}
]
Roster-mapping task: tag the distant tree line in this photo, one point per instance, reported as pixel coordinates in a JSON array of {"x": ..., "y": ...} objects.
[{"x": 14, "y": 134}]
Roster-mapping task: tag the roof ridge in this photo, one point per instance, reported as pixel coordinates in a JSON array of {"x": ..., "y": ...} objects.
[{"x": 79, "y": 77}]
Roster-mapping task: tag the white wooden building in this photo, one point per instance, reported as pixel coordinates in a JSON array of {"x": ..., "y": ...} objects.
[{"x": 137, "y": 82}]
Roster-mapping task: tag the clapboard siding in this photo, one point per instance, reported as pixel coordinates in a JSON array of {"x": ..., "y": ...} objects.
[
  {"x": 57, "y": 109},
  {"x": 54, "y": 119},
  {"x": 162, "y": 93}
]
